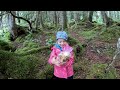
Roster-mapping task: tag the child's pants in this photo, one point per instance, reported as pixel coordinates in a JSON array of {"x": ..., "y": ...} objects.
[{"x": 54, "y": 77}]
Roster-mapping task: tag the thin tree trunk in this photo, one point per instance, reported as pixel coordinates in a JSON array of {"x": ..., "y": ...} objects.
[
  {"x": 41, "y": 19},
  {"x": 85, "y": 15},
  {"x": 37, "y": 19},
  {"x": 77, "y": 16},
  {"x": 64, "y": 19},
  {"x": 12, "y": 28},
  {"x": 17, "y": 13},
  {"x": 106, "y": 19},
  {"x": 1, "y": 19},
  {"x": 90, "y": 15},
  {"x": 55, "y": 18}
]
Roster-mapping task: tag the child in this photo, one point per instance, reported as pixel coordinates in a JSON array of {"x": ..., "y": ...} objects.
[{"x": 63, "y": 69}]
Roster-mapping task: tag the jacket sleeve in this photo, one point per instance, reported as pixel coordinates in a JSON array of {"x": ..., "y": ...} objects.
[
  {"x": 70, "y": 61},
  {"x": 51, "y": 56}
]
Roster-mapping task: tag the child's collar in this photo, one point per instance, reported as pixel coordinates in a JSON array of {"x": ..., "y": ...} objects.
[{"x": 58, "y": 46}]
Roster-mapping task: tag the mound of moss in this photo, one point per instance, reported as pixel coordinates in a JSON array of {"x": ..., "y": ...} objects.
[
  {"x": 112, "y": 33},
  {"x": 5, "y": 56},
  {"x": 5, "y": 45},
  {"x": 18, "y": 67},
  {"x": 46, "y": 73},
  {"x": 23, "y": 67},
  {"x": 97, "y": 71}
]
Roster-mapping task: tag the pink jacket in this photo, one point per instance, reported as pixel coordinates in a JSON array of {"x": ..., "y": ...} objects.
[{"x": 65, "y": 70}]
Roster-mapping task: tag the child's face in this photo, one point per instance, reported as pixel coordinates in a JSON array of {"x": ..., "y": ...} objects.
[{"x": 61, "y": 42}]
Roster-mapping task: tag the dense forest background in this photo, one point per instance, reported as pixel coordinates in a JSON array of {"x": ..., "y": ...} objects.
[{"x": 27, "y": 36}]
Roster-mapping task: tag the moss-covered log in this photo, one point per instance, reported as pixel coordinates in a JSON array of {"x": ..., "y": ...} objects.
[{"x": 35, "y": 50}]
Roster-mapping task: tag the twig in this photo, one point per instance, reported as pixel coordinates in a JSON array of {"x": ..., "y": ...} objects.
[{"x": 111, "y": 64}]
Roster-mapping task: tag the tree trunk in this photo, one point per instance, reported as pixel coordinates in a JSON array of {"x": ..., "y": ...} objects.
[
  {"x": 118, "y": 15},
  {"x": 37, "y": 19},
  {"x": 55, "y": 18},
  {"x": 77, "y": 16},
  {"x": 90, "y": 16},
  {"x": 17, "y": 13},
  {"x": 110, "y": 14},
  {"x": 106, "y": 19},
  {"x": 1, "y": 19},
  {"x": 64, "y": 19},
  {"x": 12, "y": 25},
  {"x": 58, "y": 17},
  {"x": 41, "y": 20},
  {"x": 85, "y": 15}
]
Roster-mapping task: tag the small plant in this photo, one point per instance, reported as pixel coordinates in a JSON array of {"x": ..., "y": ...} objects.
[{"x": 49, "y": 41}]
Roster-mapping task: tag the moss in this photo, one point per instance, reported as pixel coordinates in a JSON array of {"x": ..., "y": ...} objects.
[
  {"x": 49, "y": 26},
  {"x": 27, "y": 46},
  {"x": 109, "y": 51},
  {"x": 41, "y": 75},
  {"x": 112, "y": 33},
  {"x": 34, "y": 50},
  {"x": 5, "y": 45},
  {"x": 97, "y": 71},
  {"x": 30, "y": 44},
  {"x": 88, "y": 34},
  {"x": 71, "y": 23},
  {"x": 46, "y": 72},
  {"x": 111, "y": 74},
  {"x": 23, "y": 67},
  {"x": 5, "y": 56},
  {"x": 82, "y": 23},
  {"x": 72, "y": 41},
  {"x": 77, "y": 67},
  {"x": 76, "y": 44},
  {"x": 19, "y": 67}
]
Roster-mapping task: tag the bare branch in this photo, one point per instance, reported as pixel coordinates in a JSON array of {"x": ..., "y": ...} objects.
[{"x": 22, "y": 19}]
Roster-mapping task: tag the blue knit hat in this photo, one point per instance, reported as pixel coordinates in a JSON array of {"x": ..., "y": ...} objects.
[{"x": 62, "y": 35}]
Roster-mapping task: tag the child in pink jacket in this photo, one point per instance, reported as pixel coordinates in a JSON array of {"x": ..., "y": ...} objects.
[{"x": 62, "y": 70}]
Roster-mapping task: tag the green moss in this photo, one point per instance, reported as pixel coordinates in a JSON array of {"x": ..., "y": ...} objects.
[
  {"x": 77, "y": 67},
  {"x": 110, "y": 51},
  {"x": 49, "y": 26},
  {"x": 41, "y": 75},
  {"x": 112, "y": 33},
  {"x": 5, "y": 45},
  {"x": 97, "y": 71},
  {"x": 75, "y": 43},
  {"x": 72, "y": 41},
  {"x": 30, "y": 44},
  {"x": 23, "y": 67},
  {"x": 5, "y": 56},
  {"x": 46, "y": 72},
  {"x": 88, "y": 34},
  {"x": 19, "y": 67},
  {"x": 33, "y": 50},
  {"x": 111, "y": 74}
]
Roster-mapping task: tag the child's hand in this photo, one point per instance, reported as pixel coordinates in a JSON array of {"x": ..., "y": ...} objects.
[
  {"x": 55, "y": 62},
  {"x": 62, "y": 63}
]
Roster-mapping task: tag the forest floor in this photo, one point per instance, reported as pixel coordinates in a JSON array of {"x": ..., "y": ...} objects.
[
  {"x": 93, "y": 52},
  {"x": 96, "y": 51}
]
